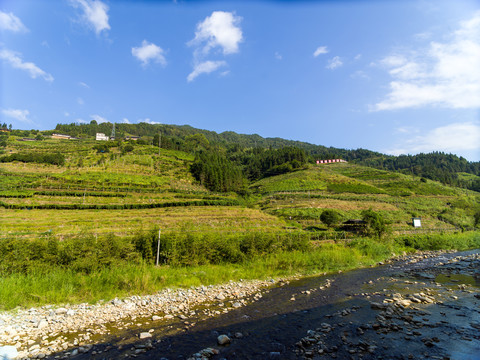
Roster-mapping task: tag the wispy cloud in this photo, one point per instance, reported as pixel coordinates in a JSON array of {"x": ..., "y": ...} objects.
[
  {"x": 148, "y": 121},
  {"x": 320, "y": 51},
  {"x": 334, "y": 63},
  {"x": 15, "y": 60},
  {"x": 278, "y": 56},
  {"x": 17, "y": 114},
  {"x": 205, "y": 67},
  {"x": 8, "y": 21},
  {"x": 99, "y": 119},
  {"x": 80, "y": 101},
  {"x": 219, "y": 33},
  {"x": 82, "y": 84},
  {"x": 445, "y": 74},
  {"x": 454, "y": 138},
  {"x": 149, "y": 52},
  {"x": 126, "y": 121},
  {"x": 94, "y": 14}
]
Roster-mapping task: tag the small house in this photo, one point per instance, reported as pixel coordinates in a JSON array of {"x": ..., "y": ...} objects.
[{"x": 101, "y": 137}]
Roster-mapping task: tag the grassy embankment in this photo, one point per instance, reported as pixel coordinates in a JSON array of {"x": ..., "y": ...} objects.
[{"x": 76, "y": 254}]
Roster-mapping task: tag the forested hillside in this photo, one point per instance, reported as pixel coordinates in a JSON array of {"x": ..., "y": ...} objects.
[{"x": 239, "y": 148}]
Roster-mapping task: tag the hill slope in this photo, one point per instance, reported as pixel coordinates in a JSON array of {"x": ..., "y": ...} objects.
[{"x": 104, "y": 190}]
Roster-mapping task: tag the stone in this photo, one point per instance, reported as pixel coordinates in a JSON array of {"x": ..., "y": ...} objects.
[
  {"x": 8, "y": 352},
  {"x": 144, "y": 335},
  {"x": 61, "y": 311},
  {"x": 223, "y": 340},
  {"x": 42, "y": 324},
  {"x": 156, "y": 318}
]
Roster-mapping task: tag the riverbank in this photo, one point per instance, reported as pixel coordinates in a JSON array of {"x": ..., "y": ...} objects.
[{"x": 75, "y": 329}]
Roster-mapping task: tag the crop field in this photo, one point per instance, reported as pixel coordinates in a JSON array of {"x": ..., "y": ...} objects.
[{"x": 350, "y": 189}]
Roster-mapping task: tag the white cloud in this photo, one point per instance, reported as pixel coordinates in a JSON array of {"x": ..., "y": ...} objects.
[
  {"x": 80, "y": 101},
  {"x": 126, "y": 121},
  {"x": 15, "y": 60},
  {"x": 445, "y": 74},
  {"x": 278, "y": 56},
  {"x": 320, "y": 51},
  {"x": 451, "y": 138},
  {"x": 66, "y": 113},
  {"x": 94, "y": 14},
  {"x": 81, "y": 83},
  {"x": 334, "y": 63},
  {"x": 11, "y": 22},
  {"x": 17, "y": 114},
  {"x": 205, "y": 67},
  {"x": 99, "y": 119},
  {"x": 149, "y": 52},
  {"x": 219, "y": 30},
  {"x": 81, "y": 121}
]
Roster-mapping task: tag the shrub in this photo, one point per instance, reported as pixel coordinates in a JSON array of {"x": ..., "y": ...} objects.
[
  {"x": 374, "y": 223},
  {"x": 330, "y": 217}
]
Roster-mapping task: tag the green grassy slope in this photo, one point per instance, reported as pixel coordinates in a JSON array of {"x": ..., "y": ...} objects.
[{"x": 124, "y": 192}]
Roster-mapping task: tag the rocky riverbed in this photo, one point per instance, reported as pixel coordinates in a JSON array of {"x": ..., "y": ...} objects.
[
  {"x": 39, "y": 332},
  {"x": 421, "y": 306}
]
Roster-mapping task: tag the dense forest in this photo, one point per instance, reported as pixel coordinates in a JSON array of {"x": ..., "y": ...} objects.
[{"x": 259, "y": 157}]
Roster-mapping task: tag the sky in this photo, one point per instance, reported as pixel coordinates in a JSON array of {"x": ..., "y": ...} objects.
[{"x": 398, "y": 77}]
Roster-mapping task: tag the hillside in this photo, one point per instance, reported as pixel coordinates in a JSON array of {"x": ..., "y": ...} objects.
[
  {"x": 102, "y": 190},
  {"x": 435, "y": 166}
]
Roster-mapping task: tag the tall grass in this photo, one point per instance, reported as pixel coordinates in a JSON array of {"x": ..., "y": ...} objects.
[{"x": 95, "y": 269}]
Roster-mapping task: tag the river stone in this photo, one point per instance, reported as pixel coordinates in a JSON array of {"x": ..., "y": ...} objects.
[
  {"x": 223, "y": 340},
  {"x": 156, "y": 318},
  {"x": 61, "y": 311},
  {"x": 42, "y": 324},
  {"x": 144, "y": 335}
]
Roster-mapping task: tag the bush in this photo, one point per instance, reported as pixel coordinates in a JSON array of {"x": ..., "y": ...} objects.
[
  {"x": 374, "y": 223},
  {"x": 476, "y": 218},
  {"x": 330, "y": 217}
]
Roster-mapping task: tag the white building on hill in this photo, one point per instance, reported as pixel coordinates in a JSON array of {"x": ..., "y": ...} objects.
[{"x": 101, "y": 136}]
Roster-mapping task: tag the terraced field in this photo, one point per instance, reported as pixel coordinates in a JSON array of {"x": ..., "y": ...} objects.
[{"x": 117, "y": 192}]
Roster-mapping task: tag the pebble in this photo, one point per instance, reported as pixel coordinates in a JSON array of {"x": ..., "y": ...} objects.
[{"x": 50, "y": 322}]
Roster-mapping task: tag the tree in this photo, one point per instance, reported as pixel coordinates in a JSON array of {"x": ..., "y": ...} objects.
[
  {"x": 374, "y": 223},
  {"x": 330, "y": 217},
  {"x": 197, "y": 142},
  {"x": 476, "y": 218}
]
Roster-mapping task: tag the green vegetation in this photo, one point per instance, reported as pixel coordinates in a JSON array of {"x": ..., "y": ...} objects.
[
  {"x": 89, "y": 269},
  {"x": 54, "y": 159},
  {"x": 229, "y": 206},
  {"x": 330, "y": 217}
]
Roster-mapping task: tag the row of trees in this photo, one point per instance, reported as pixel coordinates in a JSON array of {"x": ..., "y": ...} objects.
[{"x": 31, "y": 157}]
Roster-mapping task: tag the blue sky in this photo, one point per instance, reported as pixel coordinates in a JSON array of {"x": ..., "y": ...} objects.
[{"x": 390, "y": 76}]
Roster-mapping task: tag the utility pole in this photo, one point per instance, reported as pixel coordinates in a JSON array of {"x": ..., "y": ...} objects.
[{"x": 158, "y": 246}]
